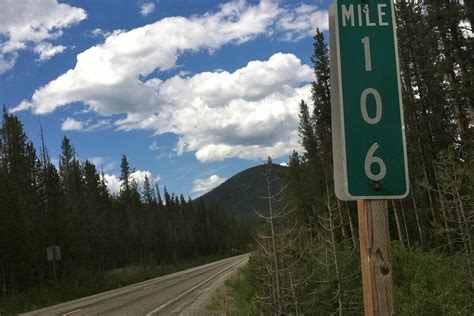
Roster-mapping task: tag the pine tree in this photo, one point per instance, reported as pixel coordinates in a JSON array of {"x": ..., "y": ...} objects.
[
  {"x": 95, "y": 215},
  {"x": 307, "y": 135},
  {"x": 148, "y": 192},
  {"x": 321, "y": 95},
  {"x": 444, "y": 18},
  {"x": 18, "y": 213},
  {"x": 127, "y": 193}
]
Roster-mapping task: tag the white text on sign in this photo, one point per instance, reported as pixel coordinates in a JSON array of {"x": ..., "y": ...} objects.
[{"x": 362, "y": 15}]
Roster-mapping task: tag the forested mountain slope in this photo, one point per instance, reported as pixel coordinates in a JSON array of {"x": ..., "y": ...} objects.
[{"x": 244, "y": 193}]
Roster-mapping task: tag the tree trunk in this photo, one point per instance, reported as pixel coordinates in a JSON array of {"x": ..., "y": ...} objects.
[
  {"x": 397, "y": 220},
  {"x": 351, "y": 226},
  {"x": 334, "y": 253},
  {"x": 425, "y": 173},
  {"x": 443, "y": 212},
  {"x": 417, "y": 219},
  {"x": 407, "y": 234},
  {"x": 295, "y": 298},
  {"x": 467, "y": 249},
  {"x": 343, "y": 228},
  {"x": 275, "y": 257}
]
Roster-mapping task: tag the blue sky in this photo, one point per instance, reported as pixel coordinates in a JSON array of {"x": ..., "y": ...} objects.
[{"x": 192, "y": 91}]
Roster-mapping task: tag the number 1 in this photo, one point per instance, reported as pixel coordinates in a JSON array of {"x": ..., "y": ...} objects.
[{"x": 368, "y": 60}]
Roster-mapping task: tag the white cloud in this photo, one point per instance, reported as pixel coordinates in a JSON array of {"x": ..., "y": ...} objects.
[
  {"x": 113, "y": 182},
  {"x": 7, "y": 61},
  {"x": 301, "y": 22},
  {"x": 70, "y": 124},
  {"x": 107, "y": 76},
  {"x": 46, "y": 50},
  {"x": 204, "y": 185},
  {"x": 102, "y": 33},
  {"x": 97, "y": 33},
  {"x": 154, "y": 146},
  {"x": 250, "y": 113},
  {"x": 147, "y": 8},
  {"x": 32, "y": 24},
  {"x": 139, "y": 176}
]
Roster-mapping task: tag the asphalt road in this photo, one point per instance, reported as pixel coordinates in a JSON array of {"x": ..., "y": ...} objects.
[{"x": 169, "y": 294}]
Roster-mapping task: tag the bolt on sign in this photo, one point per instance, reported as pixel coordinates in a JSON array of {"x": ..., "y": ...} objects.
[{"x": 369, "y": 150}]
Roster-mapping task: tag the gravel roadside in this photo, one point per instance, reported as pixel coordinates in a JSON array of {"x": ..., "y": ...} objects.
[{"x": 218, "y": 289}]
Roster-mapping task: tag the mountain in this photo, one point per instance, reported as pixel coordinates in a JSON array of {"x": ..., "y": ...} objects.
[{"x": 241, "y": 194}]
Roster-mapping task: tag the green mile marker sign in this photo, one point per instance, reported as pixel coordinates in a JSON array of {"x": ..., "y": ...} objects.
[{"x": 367, "y": 117}]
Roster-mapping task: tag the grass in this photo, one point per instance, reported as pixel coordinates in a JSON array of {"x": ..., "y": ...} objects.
[
  {"x": 236, "y": 298},
  {"x": 88, "y": 283}
]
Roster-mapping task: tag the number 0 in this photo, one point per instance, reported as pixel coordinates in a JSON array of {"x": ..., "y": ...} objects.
[{"x": 378, "y": 106}]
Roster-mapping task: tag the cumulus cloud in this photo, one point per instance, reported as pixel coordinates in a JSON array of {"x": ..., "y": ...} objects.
[
  {"x": 250, "y": 113},
  {"x": 204, "y": 185},
  {"x": 71, "y": 124},
  {"x": 147, "y": 8},
  {"x": 33, "y": 24},
  {"x": 139, "y": 176},
  {"x": 107, "y": 76},
  {"x": 113, "y": 182}
]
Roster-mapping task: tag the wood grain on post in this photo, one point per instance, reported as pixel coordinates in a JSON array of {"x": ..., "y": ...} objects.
[{"x": 375, "y": 257}]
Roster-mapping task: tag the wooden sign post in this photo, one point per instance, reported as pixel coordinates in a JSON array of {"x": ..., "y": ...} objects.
[
  {"x": 53, "y": 254},
  {"x": 369, "y": 147},
  {"x": 375, "y": 264}
]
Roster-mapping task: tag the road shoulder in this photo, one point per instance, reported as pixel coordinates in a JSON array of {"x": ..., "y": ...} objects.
[{"x": 217, "y": 292}]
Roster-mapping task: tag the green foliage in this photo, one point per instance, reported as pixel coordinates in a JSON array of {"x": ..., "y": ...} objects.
[
  {"x": 430, "y": 284},
  {"x": 243, "y": 293},
  {"x": 96, "y": 231},
  {"x": 321, "y": 94},
  {"x": 307, "y": 134},
  {"x": 436, "y": 60},
  {"x": 240, "y": 195}
]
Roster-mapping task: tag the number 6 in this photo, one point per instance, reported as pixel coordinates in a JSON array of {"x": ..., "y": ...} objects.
[{"x": 370, "y": 159}]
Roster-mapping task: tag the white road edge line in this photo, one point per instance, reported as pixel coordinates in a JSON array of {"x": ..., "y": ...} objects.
[
  {"x": 72, "y": 312},
  {"x": 190, "y": 290}
]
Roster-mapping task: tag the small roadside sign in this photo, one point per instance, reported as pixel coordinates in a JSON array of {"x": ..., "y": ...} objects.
[
  {"x": 369, "y": 150},
  {"x": 53, "y": 253}
]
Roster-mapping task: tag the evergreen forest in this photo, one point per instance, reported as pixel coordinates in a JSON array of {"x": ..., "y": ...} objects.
[
  {"x": 306, "y": 249},
  {"x": 307, "y": 259},
  {"x": 97, "y": 231}
]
